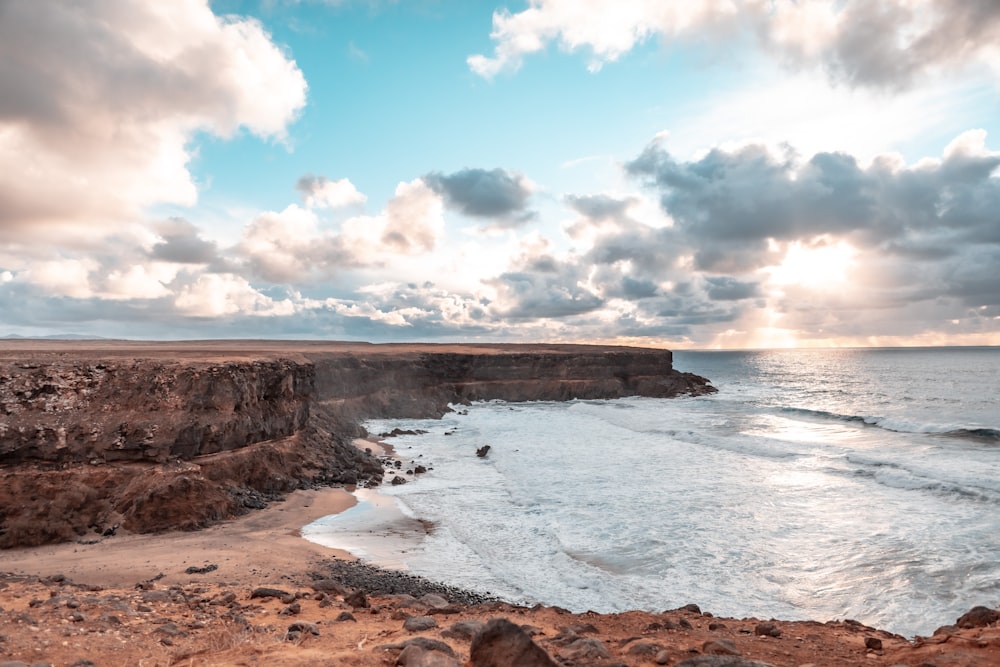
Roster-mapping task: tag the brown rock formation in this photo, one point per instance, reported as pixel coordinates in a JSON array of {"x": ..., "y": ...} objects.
[{"x": 178, "y": 435}]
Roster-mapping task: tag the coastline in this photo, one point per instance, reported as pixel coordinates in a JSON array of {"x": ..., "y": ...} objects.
[{"x": 108, "y": 602}]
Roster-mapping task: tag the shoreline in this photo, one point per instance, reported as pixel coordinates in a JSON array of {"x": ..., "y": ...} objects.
[{"x": 108, "y": 601}]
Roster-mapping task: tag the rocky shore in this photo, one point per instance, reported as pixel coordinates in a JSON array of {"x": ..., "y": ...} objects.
[
  {"x": 322, "y": 617},
  {"x": 108, "y": 449},
  {"x": 161, "y": 436}
]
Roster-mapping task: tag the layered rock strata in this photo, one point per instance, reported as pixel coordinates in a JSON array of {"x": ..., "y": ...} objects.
[{"x": 179, "y": 435}]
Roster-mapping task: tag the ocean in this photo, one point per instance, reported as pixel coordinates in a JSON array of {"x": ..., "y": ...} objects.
[{"x": 816, "y": 484}]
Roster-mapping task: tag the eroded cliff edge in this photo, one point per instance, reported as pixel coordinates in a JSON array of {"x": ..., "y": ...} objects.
[{"x": 180, "y": 435}]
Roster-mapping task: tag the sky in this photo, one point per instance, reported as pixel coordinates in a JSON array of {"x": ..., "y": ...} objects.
[{"x": 695, "y": 175}]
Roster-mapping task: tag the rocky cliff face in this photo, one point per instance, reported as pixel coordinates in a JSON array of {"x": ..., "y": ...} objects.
[
  {"x": 146, "y": 410},
  {"x": 156, "y": 438}
]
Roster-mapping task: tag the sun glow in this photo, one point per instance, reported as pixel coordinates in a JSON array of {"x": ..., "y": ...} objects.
[{"x": 816, "y": 265}]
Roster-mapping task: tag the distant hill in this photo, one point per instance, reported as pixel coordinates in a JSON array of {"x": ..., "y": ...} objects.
[{"x": 55, "y": 337}]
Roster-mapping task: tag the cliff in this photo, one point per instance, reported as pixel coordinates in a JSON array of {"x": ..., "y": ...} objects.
[{"x": 179, "y": 435}]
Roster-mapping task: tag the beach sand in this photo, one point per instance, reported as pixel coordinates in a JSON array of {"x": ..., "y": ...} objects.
[{"x": 254, "y": 549}]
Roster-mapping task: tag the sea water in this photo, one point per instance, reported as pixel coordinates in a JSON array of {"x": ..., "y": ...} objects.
[{"x": 816, "y": 484}]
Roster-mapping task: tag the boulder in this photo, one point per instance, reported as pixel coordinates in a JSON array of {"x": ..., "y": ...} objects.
[
  {"x": 978, "y": 617},
  {"x": 503, "y": 644}
]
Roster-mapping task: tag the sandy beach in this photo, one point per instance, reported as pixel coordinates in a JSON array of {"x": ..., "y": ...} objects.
[{"x": 253, "y": 549}]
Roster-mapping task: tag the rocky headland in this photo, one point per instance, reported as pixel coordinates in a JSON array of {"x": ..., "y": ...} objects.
[{"x": 153, "y": 437}]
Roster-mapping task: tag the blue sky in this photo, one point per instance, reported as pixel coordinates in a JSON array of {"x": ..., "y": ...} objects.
[{"x": 715, "y": 173}]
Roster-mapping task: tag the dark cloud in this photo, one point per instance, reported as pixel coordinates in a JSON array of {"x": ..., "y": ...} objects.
[
  {"x": 495, "y": 194},
  {"x": 183, "y": 244},
  {"x": 727, "y": 288},
  {"x": 731, "y": 204},
  {"x": 600, "y": 207},
  {"x": 890, "y": 44}
]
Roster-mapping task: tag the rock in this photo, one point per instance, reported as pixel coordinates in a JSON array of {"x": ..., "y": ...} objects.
[
  {"x": 585, "y": 649},
  {"x": 434, "y": 601},
  {"x": 483, "y": 451},
  {"x": 345, "y": 616},
  {"x": 302, "y": 628},
  {"x": 396, "y": 481},
  {"x": 419, "y": 623},
  {"x": 873, "y": 643},
  {"x": 581, "y": 629},
  {"x": 716, "y": 626},
  {"x": 463, "y": 630},
  {"x": 357, "y": 599},
  {"x": 644, "y": 648},
  {"x": 693, "y": 608},
  {"x": 155, "y": 596},
  {"x": 719, "y": 647},
  {"x": 291, "y": 610},
  {"x": 201, "y": 570},
  {"x": 420, "y": 470},
  {"x": 684, "y": 623},
  {"x": 978, "y": 617},
  {"x": 767, "y": 630},
  {"x": 329, "y": 586},
  {"x": 170, "y": 630},
  {"x": 415, "y": 656},
  {"x": 425, "y": 643},
  {"x": 503, "y": 644},
  {"x": 264, "y": 592},
  {"x": 721, "y": 661},
  {"x": 662, "y": 658}
]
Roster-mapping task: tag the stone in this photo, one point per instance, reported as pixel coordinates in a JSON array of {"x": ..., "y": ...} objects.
[
  {"x": 719, "y": 647},
  {"x": 503, "y": 644},
  {"x": 693, "y": 608},
  {"x": 302, "y": 627},
  {"x": 483, "y": 451},
  {"x": 644, "y": 648},
  {"x": 155, "y": 596},
  {"x": 345, "y": 616},
  {"x": 463, "y": 630},
  {"x": 291, "y": 610},
  {"x": 415, "y": 656},
  {"x": 662, "y": 658},
  {"x": 357, "y": 599},
  {"x": 419, "y": 623},
  {"x": 978, "y": 617},
  {"x": 767, "y": 630},
  {"x": 716, "y": 626},
  {"x": 721, "y": 661},
  {"x": 434, "y": 601},
  {"x": 426, "y": 643},
  {"x": 873, "y": 643},
  {"x": 585, "y": 649},
  {"x": 265, "y": 592},
  {"x": 170, "y": 630}
]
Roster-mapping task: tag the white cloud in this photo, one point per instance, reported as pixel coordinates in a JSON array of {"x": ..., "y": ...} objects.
[
  {"x": 100, "y": 104},
  {"x": 139, "y": 282},
  {"x": 61, "y": 278},
  {"x": 222, "y": 295},
  {"x": 321, "y": 192},
  {"x": 881, "y": 44}
]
